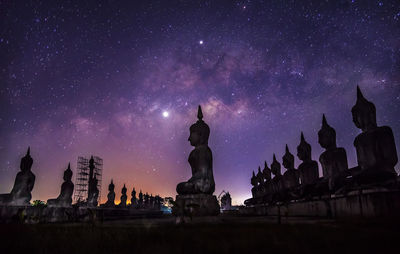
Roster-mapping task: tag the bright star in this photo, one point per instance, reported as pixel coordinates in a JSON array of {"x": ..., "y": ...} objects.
[
  {"x": 165, "y": 114},
  {"x": 201, "y": 42}
]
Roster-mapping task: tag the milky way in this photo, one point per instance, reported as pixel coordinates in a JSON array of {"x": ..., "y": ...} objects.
[{"x": 123, "y": 80}]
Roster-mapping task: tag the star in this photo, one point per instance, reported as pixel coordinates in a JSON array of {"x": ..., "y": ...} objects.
[{"x": 165, "y": 114}]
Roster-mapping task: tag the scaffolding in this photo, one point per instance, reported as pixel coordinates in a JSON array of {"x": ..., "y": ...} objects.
[{"x": 82, "y": 178}]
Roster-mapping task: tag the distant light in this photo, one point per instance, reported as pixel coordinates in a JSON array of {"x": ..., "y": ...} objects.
[
  {"x": 165, "y": 114},
  {"x": 201, "y": 42}
]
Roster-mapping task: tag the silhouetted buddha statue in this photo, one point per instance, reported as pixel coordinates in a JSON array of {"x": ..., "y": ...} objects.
[
  {"x": 93, "y": 191},
  {"x": 151, "y": 198},
  {"x": 334, "y": 159},
  {"x": 375, "y": 146},
  {"x": 133, "y": 197},
  {"x": 277, "y": 181},
  {"x": 146, "y": 199},
  {"x": 254, "y": 183},
  {"x": 140, "y": 200},
  {"x": 266, "y": 172},
  {"x": 23, "y": 185},
  {"x": 308, "y": 169},
  {"x": 111, "y": 195},
  {"x": 67, "y": 189},
  {"x": 124, "y": 197},
  {"x": 291, "y": 176},
  {"x": 260, "y": 182},
  {"x": 200, "y": 160},
  {"x": 197, "y": 191}
]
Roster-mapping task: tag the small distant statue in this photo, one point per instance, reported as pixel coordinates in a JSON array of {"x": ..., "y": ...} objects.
[
  {"x": 146, "y": 200},
  {"x": 124, "y": 197},
  {"x": 67, "y": 189},
  {"x": 254, "y": 183},
  {"x": 140, "y": 200},
  {"x": 200, "y": 160},
  {"x": 111, "y": 195},
  {"x": 133, "y": 197},
  {"x": 375, "y": 146},
  {"x": 260, "y": 182},
  {"x": 334, "y": 159},
  {"x": 308, "y": 169},
  {"x": 151, "y": 198},
  {"x": 277, "y": 181},
  {"x": 267, "y": 182},
  {"x": 291, "y": 176},
  {"x": 24, "y": 181}
]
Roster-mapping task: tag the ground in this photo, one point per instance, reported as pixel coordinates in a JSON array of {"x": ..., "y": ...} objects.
[{"x": 205, "y": 235}]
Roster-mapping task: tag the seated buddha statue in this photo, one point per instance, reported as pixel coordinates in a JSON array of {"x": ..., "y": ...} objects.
[
  {"x": 260, "y": 182},
  {"x": 67, "y": 189},
  {"x": 267, "y": 181},
  {"x": 375, "y": 145},
  {"x": 133, "y": 197},
  {"x": 254, "y": 183},
  {"x": 110, "y": 195},
  {"x": 291, "y": 176},
  {"x": 24, "y": 181},
  {"x": 200, "y": 160},
  {"x": 277, "y": 181},
  {"x": 333, "y": 160},
  {"x": 308, "y": 169},
  {"x": 124, "y": 197}
]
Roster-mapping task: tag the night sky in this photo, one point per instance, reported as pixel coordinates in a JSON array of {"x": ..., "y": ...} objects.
[{"x": 123, "y": 81}]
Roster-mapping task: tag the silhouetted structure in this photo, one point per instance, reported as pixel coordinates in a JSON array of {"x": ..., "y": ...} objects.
[
  {"x": 308, "y": 169},
  {"x": 124, "y": 197},
  {"x": 133, "y": 197},
  {"x": 111, "y": 195},
  {"x": 375, "y": 146},
  {"x": 24, "y": 181},
  {"x": 88, "y": 176},
  {"x": 67, "y": 189},
  {"x": 334, "y": 159},
  {"x": 198, "y": 190},
  {"x": 376, "y": 156}
]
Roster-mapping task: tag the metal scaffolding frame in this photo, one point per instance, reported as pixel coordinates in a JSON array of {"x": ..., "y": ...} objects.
[{"x": 82, "y": 178}]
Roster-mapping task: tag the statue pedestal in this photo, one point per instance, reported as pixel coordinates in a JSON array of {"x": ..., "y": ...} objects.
[{"x": 196, "y": 205}]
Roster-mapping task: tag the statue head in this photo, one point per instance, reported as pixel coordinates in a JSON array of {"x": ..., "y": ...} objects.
[
  {"x": 123, "y": 191},
  {"x": 111, "y": 186},
  {"x": 68, "y": 173},
  {"x": 26, "y": 161},
  {"x": 133, "y": 192},
  {"x": 303, "y": 149},
  {"x": 288, "y": 159},
  {"x": 199, "y": 131},
  {"x": 266, "y": 171},
  {"x": 260, "y": 176},
  {"x": 364, "y": 113},
  {"x": 326, "y": 135},
  {"x": 253, "y": 179},
  {"x": 275, "y": 166}
]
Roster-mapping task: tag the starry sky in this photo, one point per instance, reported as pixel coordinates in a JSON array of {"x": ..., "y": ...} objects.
[{"x": 122, "y": 80}]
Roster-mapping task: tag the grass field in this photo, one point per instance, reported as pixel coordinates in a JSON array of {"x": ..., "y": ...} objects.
[{"x": 206, "y": 235}]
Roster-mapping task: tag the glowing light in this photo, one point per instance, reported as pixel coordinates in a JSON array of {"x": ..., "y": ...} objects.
[
  {"x": 165, "y": 114},
  {"x": 201, "y": 42}
]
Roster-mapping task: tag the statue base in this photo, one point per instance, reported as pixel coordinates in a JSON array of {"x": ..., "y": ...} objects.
[{"x": 196, "y": 205}]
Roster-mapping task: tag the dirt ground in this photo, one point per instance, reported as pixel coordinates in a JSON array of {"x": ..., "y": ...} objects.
[{"x": 222, "y": 234}]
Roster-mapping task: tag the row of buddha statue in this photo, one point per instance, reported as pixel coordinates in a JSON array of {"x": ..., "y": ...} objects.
[
  {"x": 142, "y": 201},
  {"x": 20, "y": 194},
  {"x": 376, "y": 157}
]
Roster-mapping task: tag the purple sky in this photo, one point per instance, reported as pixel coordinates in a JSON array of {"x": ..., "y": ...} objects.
[{"x": 95, "y": 77}]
